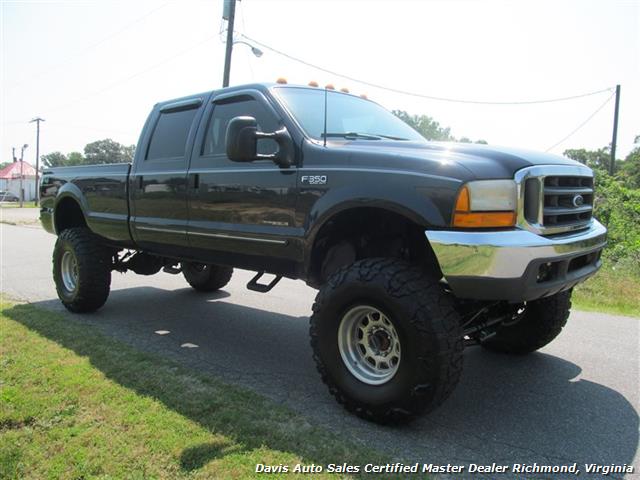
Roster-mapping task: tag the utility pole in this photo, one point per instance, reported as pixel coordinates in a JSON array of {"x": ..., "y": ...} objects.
[
  {"x": 614, "y": 140},
  {"x": 22, "y": 174},
  {"x": 228, "y": 13},
  {"x": 37, "y": 190}
]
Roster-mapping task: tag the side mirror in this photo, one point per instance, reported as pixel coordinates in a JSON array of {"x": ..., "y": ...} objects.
[{"x": 242, "y": 142}]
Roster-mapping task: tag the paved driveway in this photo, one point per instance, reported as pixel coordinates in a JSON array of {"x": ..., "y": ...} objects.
[{"x": 574, "y": 401}]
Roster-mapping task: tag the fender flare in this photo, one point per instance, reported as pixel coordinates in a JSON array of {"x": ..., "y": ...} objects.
[
  {"x": 70, "y": 190},
  {"x": 326, "y": 209}
]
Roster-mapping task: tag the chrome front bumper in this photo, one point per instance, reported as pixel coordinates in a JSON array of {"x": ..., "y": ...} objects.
[{"x": 516, "y": 265}]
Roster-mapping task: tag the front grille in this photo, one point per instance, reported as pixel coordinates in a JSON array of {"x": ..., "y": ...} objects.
[
  {"x": 568, "y": 201},
  {"x": 555, "y": 199}
]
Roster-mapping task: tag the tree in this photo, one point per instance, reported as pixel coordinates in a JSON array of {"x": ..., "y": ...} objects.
[
  {"x": 430, "y": 129},
  {"x": 75, "y": 158},
  {"x": 630, "y": 167},
  {"x": 54, "y": 159},
  {"x": 425, "y": 126},
  {"x": 596, "y": 159},
  {"x": 128, "y": 153},
  {"x": 106, "y": 151}
]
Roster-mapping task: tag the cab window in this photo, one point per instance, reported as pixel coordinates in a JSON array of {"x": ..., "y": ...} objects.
[{"x": 169, "y": 138}]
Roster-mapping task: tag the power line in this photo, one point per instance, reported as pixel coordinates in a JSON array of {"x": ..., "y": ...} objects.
[
  {"x": 117, "y": 82},
  {"x": 28, "y": 79},
  {"x": 130, "y": 77},
  {"x": 582, "y": 124},
  {"x": 421, "y": 95}
]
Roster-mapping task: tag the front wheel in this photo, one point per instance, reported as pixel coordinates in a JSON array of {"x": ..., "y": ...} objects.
[
  {"x": 81, "y": 270},
  {"x": 206, "y": 277},
  {"x": 537, "y": 325},
  {"x": 386, "y": 340}
]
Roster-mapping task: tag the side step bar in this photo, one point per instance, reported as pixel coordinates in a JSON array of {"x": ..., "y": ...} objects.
[{"x": 261, "y": 287}]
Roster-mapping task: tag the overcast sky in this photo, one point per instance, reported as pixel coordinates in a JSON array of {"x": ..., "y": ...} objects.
[{"x": 93, "y": 69}]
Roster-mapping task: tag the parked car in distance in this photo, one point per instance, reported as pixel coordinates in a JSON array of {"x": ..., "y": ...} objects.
[{"x": 6, "y": 196}]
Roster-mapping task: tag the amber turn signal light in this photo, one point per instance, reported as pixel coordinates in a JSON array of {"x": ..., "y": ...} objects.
[{"x": 484, "y": 219}]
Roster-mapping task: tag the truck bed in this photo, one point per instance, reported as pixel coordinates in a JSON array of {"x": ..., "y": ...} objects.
[{"x": 101, "y": 191}]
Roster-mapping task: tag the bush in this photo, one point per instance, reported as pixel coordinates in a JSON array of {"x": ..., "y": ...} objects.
[{"x": 617, "y": 206}]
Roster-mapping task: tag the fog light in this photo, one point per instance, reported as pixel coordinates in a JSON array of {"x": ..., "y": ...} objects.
[{"x": 545, "y": 272}]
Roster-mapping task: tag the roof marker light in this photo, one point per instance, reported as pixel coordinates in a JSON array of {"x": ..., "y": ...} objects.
[
  {"x": 344, "y": 90},
  {"x": 313, "y": 83},
  {"x": 281, "y": 80},
  {"x": 329, "y": 86}
]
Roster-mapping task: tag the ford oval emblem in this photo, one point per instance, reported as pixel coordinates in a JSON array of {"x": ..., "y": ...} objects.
[{"x": 578, "y": 201}]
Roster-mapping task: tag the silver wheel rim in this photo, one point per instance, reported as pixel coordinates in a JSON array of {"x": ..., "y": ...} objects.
[
  {"x": 69, "y": 271},
  {"x": 369, "y": 345}
]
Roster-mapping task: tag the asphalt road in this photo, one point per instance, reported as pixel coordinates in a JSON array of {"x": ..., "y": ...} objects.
[{"x": 576, "y": 400}]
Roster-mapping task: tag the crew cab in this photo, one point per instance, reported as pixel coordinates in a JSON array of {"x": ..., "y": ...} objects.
[{"x": 417, "y": 248}]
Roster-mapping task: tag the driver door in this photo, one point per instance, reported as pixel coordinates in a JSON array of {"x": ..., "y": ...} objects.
[{"x": 240, "y": 213}]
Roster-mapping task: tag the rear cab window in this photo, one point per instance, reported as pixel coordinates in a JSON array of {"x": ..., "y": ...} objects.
[{"x": 172, "y": 129}]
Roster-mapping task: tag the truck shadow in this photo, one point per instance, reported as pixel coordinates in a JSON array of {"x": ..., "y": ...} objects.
[{"x": 506, "y": 409}]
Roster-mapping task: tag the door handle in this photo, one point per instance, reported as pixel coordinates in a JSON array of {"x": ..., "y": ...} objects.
[
  {"x": 140, "y": 182},
  {"x": 196, "y": 181}
]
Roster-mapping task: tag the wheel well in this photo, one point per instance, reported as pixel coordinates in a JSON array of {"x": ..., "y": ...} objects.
[
  {"x": 68, "y": 214},
  {"x": 365, "y": 233}
]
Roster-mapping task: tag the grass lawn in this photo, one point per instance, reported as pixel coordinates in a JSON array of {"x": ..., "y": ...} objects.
[
  {"x": 610, "y": 290},
  {"x": 77, "y": 404},
  {"x": 17, "y": 205}
]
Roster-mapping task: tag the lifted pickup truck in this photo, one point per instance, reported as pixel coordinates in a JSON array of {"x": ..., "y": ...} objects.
[{"x": 417, "y": 248}]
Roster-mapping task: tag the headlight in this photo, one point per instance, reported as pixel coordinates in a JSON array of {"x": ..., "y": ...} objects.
[{"x": 486, "y": 204}]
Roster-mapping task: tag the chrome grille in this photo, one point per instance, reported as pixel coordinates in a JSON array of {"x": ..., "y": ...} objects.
[
  {"x": 568, "y": 201},
  {"x": 555, "y": 199}
]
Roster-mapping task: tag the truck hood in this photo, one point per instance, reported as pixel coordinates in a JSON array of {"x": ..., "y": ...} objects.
[{"x": 481, "y": 161}]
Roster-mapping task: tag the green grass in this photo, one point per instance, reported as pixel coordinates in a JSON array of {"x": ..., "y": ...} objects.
[
  {"x": 77, "y": 404},
  {"x": 611, "y": 290},
  {"x": 17, "y": 205}
]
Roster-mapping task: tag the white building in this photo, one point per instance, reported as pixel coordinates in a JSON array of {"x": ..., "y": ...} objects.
[{"x": 10, "y": 180}]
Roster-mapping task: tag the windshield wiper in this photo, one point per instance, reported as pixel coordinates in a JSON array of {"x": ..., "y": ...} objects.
[
  {"x": 390, "y": 137},
  {"x": 349, "y": 135},
  {"x": 364, "y": 136}
]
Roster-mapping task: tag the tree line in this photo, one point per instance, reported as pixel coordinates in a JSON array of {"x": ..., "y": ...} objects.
[
  {"x": 430, "y": 128},
  {"x": 98, "y": 152}
]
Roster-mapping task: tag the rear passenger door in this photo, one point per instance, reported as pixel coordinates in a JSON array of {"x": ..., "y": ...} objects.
[
  {"x": 158, "y": 183},
  {"x": 241, "y": 213}
]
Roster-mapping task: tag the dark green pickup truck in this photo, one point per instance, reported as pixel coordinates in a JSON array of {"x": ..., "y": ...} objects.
[{"x": 417, "y": 248}]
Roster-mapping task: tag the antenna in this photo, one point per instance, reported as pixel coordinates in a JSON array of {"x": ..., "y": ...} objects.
[{"x": 325, "y": 117}]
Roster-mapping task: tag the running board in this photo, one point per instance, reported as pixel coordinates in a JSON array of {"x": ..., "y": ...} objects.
[{"x": 261, "y": 287}]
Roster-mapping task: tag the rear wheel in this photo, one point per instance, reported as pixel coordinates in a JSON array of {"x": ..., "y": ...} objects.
[
  {"x": 386, "y": 340},
  {"x": 81, "y": 270},
  {"x": 206, "y": 277},
  {"x": 537, "y": 325}
]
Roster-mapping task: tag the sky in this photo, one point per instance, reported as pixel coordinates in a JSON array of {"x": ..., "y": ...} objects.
[{"x": 94, "y": 69}]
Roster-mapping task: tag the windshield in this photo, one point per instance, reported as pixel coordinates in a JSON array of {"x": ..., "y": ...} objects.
[{"x": 348, "y": 117}]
